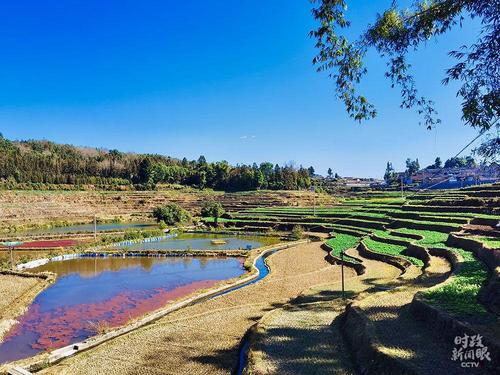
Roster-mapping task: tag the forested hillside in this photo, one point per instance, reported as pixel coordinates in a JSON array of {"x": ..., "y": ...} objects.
[{"x": 38, "y": 164}]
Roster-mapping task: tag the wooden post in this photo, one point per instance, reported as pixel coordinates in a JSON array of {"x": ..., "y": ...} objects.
[
  {"x": 402, "y": 190},
  {"x": 11, "y": 252},
  {"x": 342, "y": 270},
  {"x": 95, "y": 228},
  {"x": 314, "y": 202}
]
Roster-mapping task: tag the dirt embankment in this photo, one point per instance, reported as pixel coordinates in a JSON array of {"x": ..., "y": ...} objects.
[{"x": 16, "y": 293}]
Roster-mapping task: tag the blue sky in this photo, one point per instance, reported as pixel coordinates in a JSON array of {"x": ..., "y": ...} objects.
[{"x": 232, "y": 80}]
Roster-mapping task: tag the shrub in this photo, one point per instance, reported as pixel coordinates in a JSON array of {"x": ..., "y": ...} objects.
[
  {"x": 171, "y": 214},
  {"x": 212, "y": 209},
  {"x": 297, "y": 232}
]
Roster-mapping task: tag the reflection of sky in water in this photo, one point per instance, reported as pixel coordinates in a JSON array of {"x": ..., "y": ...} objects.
[
  {"x": 184, "y": 242},
  {"x": 113, "y": 290}
]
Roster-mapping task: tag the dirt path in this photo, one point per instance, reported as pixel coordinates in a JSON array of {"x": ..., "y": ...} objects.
[
  {"x": 205, "y": 338},
  {"x": 303, "y": 337},
  {"x": 417, "y": 349}
]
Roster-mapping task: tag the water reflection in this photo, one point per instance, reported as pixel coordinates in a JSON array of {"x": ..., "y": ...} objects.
[
  {"x": 96, "y": 292},
  {"x": 204, "y": 242}
]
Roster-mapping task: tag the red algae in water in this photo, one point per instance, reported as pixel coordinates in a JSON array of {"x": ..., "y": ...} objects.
[{"x": 58, "y": 318}]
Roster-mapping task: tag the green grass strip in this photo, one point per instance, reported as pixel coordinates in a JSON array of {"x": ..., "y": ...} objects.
[
  {"x": 431, "y": 238},
  {"x": 342, "y": 242},
  {"x": 459, "y": 295},
  {"x": 491, "y": 242},
  {"x": 390, "y": 249}
]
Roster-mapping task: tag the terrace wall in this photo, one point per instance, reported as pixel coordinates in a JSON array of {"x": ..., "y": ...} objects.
[
  {"x": 490, "y": 293},
  {"x": 358, "y": 267},
  {"x": 397, "y": 262}
]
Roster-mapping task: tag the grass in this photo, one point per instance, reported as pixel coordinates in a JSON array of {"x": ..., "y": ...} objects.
[
  {"x": 361, "y": 231},
  {"x": 385, "y": 234},
  {"x": 425, "y": 222},
  {"x": 390, "y": 249},
  {"x": 459, "y": 294}
]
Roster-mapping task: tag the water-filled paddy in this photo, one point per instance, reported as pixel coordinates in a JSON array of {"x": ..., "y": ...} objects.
[
  {"x": 94, "y": 293},
  {"x": 198, "y": 241}
]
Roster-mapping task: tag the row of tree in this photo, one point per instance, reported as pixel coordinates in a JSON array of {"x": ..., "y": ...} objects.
[{"x": 44, "y": 162}]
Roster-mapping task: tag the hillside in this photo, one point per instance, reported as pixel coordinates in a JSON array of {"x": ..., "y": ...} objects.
[{"x": 48, "y": 165}]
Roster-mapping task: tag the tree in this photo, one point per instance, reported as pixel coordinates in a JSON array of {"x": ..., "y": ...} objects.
[
  {"x": 438, "y": 163},
  {"x": 171, "y": 214},
  {"x": 412, "y": 167},
  {"x": 212, "y": 209},
  {"x": 330, "y": 173},
  {"x": 397, "y": 32},
  {"x": 390, "y": 174},
  {"x": 489, "y": 150},
  {"x": 114, "y": 156},
  {"x": 470, "y": 162},
  {"x": 311, "y": 171},
  {"x": 202, "y": 160},
  {"x": 460, "y": 162},
  {"x": 36, "y": 162}
]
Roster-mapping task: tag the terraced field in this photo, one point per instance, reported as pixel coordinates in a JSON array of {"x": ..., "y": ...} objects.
[
  {"x": 424, "y": 236},
  {"x": 421, "y": 272},
  {"x": 31, "y": 208}
]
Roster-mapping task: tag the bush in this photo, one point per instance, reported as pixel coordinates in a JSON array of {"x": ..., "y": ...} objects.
[
  {"x": 171, "y": 214},
  {"x": 297, "y": 232},
  {"x": 212, "y": 209}
]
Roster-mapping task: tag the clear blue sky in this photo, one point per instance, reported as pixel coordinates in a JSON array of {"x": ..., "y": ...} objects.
[{"x": 231, "y": 80}]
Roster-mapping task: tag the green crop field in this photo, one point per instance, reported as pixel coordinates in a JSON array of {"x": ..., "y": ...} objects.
[
  {"x": 390, "y": 218},
  {"x": 390, "y": 249},
  {"x": 459, "y": 295},
  {"x": 491, "y": 242},
  {"x": 342, "y": 242}
]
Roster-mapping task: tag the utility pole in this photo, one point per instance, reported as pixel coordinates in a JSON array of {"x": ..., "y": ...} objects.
[
  {"x": 314, "y": 202},
  {"x": 313, "y": 189},
  {"x": 402, "y": 189},
  {"x": 11, "y": 253},
  {"x": 342, "y": 270},
  {"x": 11, "y": 245}
]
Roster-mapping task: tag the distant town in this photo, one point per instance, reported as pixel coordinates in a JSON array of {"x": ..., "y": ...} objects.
[{"x": 455, "y": 173}]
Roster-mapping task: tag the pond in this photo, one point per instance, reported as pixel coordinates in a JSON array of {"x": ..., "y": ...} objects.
[
  {"x": 201, "y": 241},
  {"x": 82, "y": 228},
  {"x": 92, "y": 294}
]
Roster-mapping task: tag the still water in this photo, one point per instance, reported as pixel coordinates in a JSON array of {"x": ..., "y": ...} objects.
[
  {"x": 95, "y": 293},
  {"x": 198, "y": 241}
]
